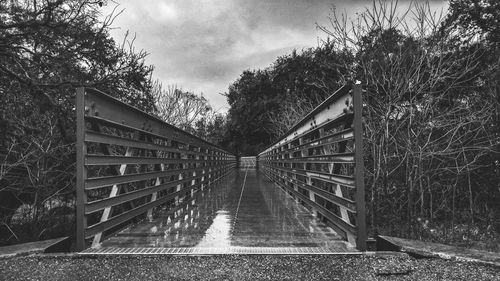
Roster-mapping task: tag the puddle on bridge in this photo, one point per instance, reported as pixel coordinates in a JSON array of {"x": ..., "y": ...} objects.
[{"x": 243, "y": 210}]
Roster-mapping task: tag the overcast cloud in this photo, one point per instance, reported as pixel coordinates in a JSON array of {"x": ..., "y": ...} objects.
[{"x": 203, "y": 46}]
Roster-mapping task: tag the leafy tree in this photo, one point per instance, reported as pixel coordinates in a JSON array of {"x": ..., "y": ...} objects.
[
  {"x": 212, "y": 128},
  {"x": 47, "y": 48},
  {"x": 470, "y": 18},
  {"x": 249, "y": 98},
  {"x": 478, "y": 22}
]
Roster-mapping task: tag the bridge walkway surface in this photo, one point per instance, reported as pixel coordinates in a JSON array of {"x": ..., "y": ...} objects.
[{"x": 243, "y": 213}]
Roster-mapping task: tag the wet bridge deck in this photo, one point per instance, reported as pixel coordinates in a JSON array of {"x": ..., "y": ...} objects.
[{"x": 244, "y": 213}]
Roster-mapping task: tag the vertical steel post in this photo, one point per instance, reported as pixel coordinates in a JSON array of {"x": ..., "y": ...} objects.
[
  {"x": 81, "y": 172},
  {"x": 359, "y": 168}
]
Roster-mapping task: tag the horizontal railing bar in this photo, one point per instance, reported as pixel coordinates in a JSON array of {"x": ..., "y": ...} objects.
[
  {"x": 347, "y": 134},
  {"x": 325, "y": 212},
  {"x": 340, "y": 201},
  {"x": 313, "y": 161},
  {"x": 177, "y": 139},
  {"x": 122, "y": 198},
  {"x": 334, "y": 178},
  {"x": 338, "y": 158},
  {"x": 301, "y": 148},
  {"x": 91, "y": 136},
  {"x": 118, "y": 160},
  {"x": 340, "y": 118},
  {"x": 98, "y": 182}
]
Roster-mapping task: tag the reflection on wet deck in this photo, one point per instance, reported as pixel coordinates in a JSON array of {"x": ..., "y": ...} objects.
[{"x": 243, "y": 210}]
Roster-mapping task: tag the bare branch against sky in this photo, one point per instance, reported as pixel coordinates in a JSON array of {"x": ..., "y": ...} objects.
[{"x": 204, "y": 45}]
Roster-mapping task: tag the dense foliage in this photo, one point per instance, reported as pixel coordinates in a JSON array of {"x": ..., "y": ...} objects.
[{"x": 47, "y": 49}]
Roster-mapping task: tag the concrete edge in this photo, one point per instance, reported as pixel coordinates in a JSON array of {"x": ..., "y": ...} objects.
[
  {"x": 384, "y": 243},
  {"x": 61, "y": 244}
]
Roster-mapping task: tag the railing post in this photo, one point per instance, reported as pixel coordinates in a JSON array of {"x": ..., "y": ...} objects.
[
  {"x": 359, "y": 168},
  {"x": 81, "y": 172}
]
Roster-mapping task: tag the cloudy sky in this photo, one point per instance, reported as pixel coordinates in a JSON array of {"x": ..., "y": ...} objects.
[{"x": 203, "y": 46}]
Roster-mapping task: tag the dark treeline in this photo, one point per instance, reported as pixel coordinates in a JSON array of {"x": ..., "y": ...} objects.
[{"x": 431, "y": 116}]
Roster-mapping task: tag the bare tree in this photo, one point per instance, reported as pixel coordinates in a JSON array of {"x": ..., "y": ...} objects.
[
  {"x": 289, "y": 114},
  {"x": 426, "y": 121},
  {"x": 180, "y": 108}
]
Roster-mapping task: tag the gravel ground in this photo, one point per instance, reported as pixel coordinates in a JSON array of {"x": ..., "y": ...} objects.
[{"x": 244, "y": 267}]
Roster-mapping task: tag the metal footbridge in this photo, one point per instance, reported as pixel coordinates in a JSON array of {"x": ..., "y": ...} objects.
[{"x": 146, "y": 187}]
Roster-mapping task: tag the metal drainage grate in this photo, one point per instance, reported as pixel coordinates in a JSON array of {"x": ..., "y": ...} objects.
[{"x": 210, "y": 251}]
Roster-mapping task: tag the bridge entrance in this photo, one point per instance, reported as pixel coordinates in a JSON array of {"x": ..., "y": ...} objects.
[
  {"x": 144, "y": 186},
  {"x": 248, "y": 162}
]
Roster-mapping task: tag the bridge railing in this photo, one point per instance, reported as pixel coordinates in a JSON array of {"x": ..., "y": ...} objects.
[
  {"x": 130, "y": 162},
  {"x": 320, "y": 163}
]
